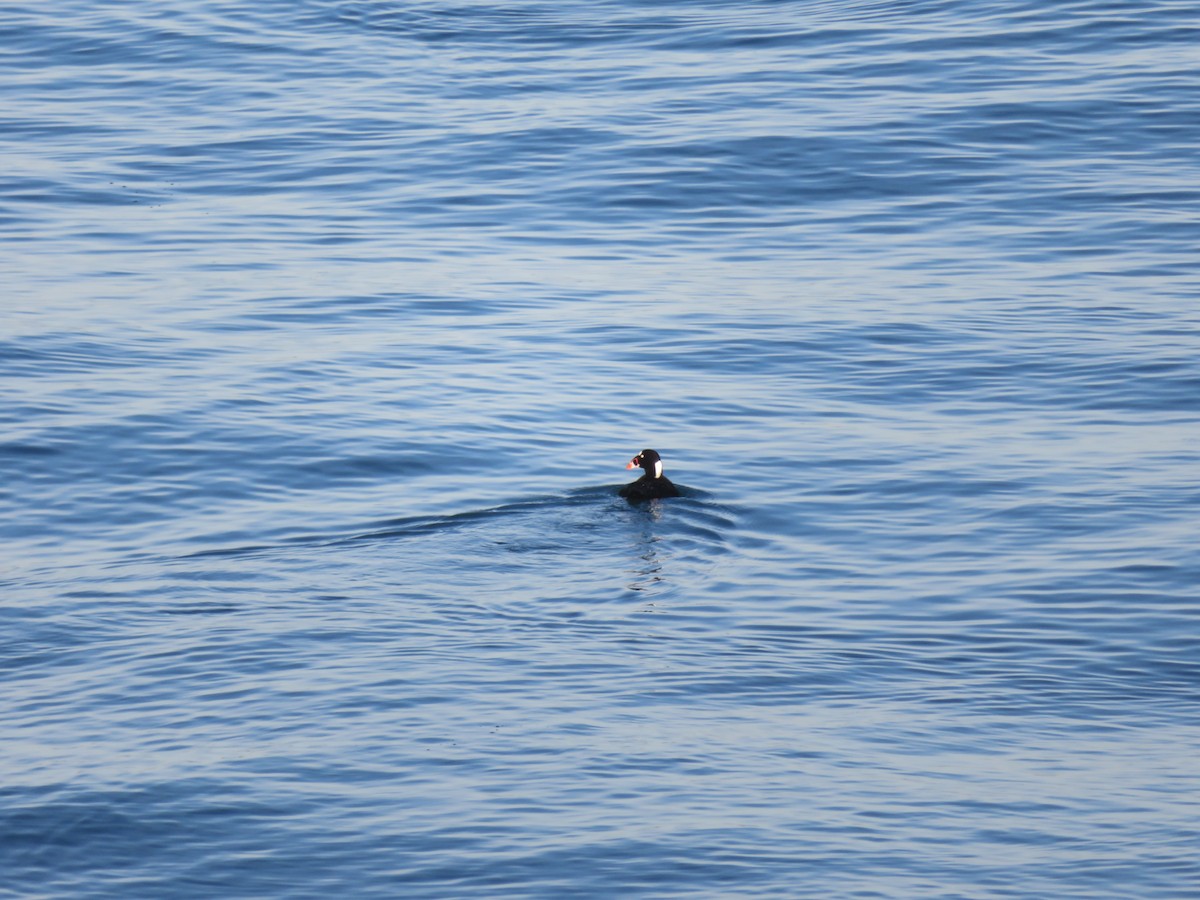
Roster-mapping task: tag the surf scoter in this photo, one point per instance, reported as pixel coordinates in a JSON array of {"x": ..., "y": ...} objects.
[{"x": 653, "y": 483}]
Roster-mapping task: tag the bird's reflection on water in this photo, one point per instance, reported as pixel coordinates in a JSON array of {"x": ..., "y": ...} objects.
[{"x": 647, "y": 571}]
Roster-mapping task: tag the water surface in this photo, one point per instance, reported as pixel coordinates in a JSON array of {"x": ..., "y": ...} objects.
[{"x": 329, "y": 327}]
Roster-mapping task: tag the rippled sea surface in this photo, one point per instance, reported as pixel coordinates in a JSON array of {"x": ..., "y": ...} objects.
[{"x": 327, "y": 328}]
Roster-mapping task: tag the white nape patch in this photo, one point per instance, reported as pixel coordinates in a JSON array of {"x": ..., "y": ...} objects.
[{"x": 658, "y": 468}]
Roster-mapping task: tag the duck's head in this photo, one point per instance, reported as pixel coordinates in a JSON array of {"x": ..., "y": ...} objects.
[{"x": 648, "y": 460}]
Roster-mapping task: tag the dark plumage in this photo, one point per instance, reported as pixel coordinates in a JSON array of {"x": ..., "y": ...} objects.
[{"x": 653, "y": 483}]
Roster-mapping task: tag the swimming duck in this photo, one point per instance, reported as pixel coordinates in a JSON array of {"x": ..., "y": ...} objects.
[{"x": 653, "y": 483}]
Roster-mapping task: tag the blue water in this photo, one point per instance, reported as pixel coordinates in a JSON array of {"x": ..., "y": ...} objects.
[{"x": 327, "y": 328}]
